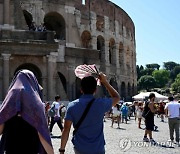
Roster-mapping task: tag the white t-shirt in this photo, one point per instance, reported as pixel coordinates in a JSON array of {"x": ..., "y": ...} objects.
[
  {"x": 57, "y": 107},
  {"x": 139, "y": 112},
  {"x": 115, "y": 111},
  {"x": 173, "y": 109}
]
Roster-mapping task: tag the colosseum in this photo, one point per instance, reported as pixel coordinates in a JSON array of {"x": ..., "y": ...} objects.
[{"x": 52, "y": 37}]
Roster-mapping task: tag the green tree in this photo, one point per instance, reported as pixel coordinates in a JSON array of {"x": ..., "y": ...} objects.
[
  {"x": 153, "y": 66},
  {"x": 170, "y": 65},
  {"x": 146, "y": 82},
  {"x": 161, "y": 77},
  {"x": 176, "y": 85},
  {"x": 141, "y": 68},
  {"x": 175, "y": 72},
  {"x": 147, "y": 71},
  {"x": 138, "y": 71}
]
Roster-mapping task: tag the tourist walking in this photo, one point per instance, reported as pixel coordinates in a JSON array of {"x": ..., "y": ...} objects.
[
  {"x": 161, "y": 111},
  {"x": 22, "y": 118},
  {"x": 88, "y": 136},
  {"x": 148, "y": 115},
  {"x": 62, "y": 112},
  {"x": 56, "y": 118},
  {"x": 172, "y": 110},
  {"x": 47, "y": 107},
  {"x": 139, "y": 113},
  {"x": 116, "y": 114},
  {"x": 124, "y": 111}
]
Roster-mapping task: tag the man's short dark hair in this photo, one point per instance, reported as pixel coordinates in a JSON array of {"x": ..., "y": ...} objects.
[
  {"x": 88, "y": 85},
  {"x": 57, "y": 97},
  {"x": 171, "y": 98},
  {"x": 151, "y": 95}
]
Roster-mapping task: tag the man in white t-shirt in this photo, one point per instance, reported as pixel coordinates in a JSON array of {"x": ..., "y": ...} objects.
[
  {"x": 172, "y": 110},
  {"x": 57, "y": 117}
]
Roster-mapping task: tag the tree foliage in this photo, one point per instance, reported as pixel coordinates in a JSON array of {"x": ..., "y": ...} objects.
[
  {"x": 170, "y": 65},
  {"x": 153, "y": 77},
  {"x": 147, "y": 71},
  {"x": 146, "y": 82},
  {"x": 161, "y": 77},
  {"x": 153, "y": 66},
  {"x": 175, "y": 72},
  {"x": 176, "y": 85}
]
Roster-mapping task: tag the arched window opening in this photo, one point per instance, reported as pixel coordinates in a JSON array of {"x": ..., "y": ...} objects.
[
  {"x": 53, "y": 21},
  {"x": 112, "y": 51},
  {"x": 33, "y": 68},
  {"x": 101, "y": 48},
  {"x": 63, "y": 81},
  {"x": 29, "y": 19},
  {"x": 86, "y": 39}
]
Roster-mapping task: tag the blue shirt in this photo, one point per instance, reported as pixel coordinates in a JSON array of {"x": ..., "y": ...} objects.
[
  {"x": 124, "y": 110},
  {"x": 89, "y": 139}
]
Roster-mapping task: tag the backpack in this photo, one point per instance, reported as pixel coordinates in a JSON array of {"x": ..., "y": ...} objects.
[
  {"x": 124, "y": 109},
  {"x": 52, "y": 111}
]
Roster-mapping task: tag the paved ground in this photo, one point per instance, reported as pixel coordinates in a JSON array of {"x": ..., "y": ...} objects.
[{"x": 128, "y": 139}]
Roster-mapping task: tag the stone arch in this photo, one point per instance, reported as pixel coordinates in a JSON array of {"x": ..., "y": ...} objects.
[
  {"x": 78, "y": 87},
  {"x": 63, "y": 81},
  {"x": 113, "y": 83},
  {"x": 128, "y": 62},
  {"x": 33, "y": 68},
  {"x": 28, "y": 17},
  {"x": 123, "y": 91},
  {"x": 54, "y": 21},
  {"x": 101, "y": 48},
  {"x": 86, "y": 39},
  {"x": 112, "y": 59}
]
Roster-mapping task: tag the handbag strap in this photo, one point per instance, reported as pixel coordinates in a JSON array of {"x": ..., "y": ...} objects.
[
  {"x": 83, "y": 116},
  {"x": 147, "y": 113}
]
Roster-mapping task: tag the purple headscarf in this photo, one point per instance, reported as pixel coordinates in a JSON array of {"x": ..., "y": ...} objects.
[{"x": 23, "y": 97}]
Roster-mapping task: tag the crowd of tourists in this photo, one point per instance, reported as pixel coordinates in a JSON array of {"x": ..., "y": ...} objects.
[
  {"x": 144, "y": 111},
  {"x": 25, "y": 121}
]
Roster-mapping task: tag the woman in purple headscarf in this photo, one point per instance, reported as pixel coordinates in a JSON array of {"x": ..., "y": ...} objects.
[{"x": 22, "y": 118}]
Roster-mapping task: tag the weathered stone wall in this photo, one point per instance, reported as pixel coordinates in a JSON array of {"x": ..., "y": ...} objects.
[{"x": 98, "y": 32}]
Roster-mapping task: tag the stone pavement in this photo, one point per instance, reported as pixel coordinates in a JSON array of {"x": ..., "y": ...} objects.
[{"x": 128, "y": 139}]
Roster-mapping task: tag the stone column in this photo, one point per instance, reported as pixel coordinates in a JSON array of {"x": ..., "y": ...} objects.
[
  {"x": 69, "y": 15},
  {"x": 107, "y": 52},
  {"x": 61, "y": 53},
  {"x": 117, "y": 29},
  {"x": 6, "y": 12},
  {"x": 50, "y": 72},
  {"x": 6, "y": 58},
  {"x": 93, "y": 30},
  {"x": 106, "y": 25},
  {"x": 71, "y": 82},
  {"x": 125, "y": 61}
]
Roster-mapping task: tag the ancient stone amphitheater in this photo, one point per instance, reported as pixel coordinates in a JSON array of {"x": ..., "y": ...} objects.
[{"x": 52, "y": 37}]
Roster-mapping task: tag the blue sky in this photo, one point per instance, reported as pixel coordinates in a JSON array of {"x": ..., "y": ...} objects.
[{"x": 157, "y": 24}]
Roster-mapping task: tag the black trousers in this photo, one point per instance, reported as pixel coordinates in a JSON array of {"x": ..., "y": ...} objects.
[{"x": 59, "y": 123}]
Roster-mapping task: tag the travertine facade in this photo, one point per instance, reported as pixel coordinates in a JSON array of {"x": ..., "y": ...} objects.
[{"x": 77, "y": 32}]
